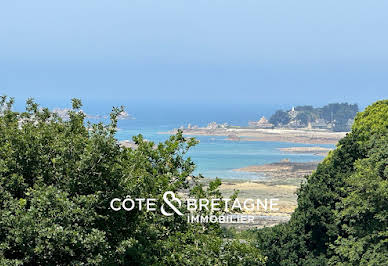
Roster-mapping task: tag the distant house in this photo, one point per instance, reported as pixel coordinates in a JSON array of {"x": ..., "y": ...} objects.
[
  {"x": 212, "y": 125},
  {"x": 320, "y": 123},
  {"x": 262, "y": 123},
  {"x": 295, "y": 124}
]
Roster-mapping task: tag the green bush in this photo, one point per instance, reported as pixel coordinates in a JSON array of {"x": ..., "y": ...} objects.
[
  {"x": 342, "y": 215},
  {"x": 57, "y": 178}
]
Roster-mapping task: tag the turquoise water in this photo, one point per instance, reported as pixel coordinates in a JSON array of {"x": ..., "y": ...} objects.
[
  {"x": 217, "y": 157},
  {"x": 214, "y": 156}
]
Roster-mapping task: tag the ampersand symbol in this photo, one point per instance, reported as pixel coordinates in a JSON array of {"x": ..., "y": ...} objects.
[{"x": 169, "y": 203}]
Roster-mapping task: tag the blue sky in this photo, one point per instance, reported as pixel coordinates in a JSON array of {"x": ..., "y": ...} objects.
[{"x": 240, "y": 52}]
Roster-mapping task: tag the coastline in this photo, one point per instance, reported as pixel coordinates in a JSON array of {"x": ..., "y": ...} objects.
[
  {"x": 282, "y": 181},
  {"x": 278, "y": 179},
  {"x": 283, "y": 169},
  {"x": 305, "y": 136},
  {"x": 321, "y": 151}
]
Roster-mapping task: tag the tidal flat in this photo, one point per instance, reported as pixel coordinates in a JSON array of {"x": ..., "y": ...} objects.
[
  {"x": 282, "y": 179},
  {"x": 306, "y": 136}
]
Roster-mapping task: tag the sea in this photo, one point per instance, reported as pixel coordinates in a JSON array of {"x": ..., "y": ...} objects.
[{"x": 214, "y": 156}]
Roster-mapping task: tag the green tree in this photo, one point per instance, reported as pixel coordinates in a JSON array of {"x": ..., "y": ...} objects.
[
  {"x": 339, "y": 114},
  {"x": 362, "y": 214},
  {"x": 341, "y": 216},
  {"x": 279, "y": 118},
  {"x": 304, "y": 117},
  {"x": 57, "y": 178}
]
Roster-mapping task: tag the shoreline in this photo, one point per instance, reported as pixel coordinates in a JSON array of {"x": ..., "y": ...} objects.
[
  {"x": 321, "y": 151},
  {"x": 305, "y": 136},
  {"x": 283, "y": 169},
  {"x": 282, "y": 180}
]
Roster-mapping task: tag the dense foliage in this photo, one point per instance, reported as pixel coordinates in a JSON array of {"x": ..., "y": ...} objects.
[
  {"x": 335, "y": 115},
  {"x": 280, "y": 118},
  {"x": 342, "y": 213},
  {"x": 58, "y": 176},
  {"x": 339, "y": 113}
]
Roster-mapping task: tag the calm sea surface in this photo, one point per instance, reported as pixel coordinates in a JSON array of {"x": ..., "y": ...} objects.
[{"x": 214, "y": 156}]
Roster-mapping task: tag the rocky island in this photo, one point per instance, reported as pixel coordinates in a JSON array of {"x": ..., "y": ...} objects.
[{"x": 301, "y": 124}]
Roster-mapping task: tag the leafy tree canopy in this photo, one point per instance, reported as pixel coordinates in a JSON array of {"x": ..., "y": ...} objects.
[
  {"x": 57, "y": 178},
  {"x": 337, "y": 115},
  {"x": 341, "y": 218},
  {"x": 280, "y": 118}
]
